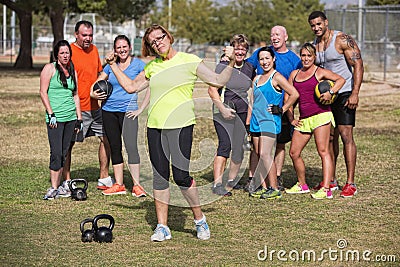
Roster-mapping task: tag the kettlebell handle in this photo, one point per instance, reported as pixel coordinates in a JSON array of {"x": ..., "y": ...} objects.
[
  {"x": 78, "y": 180},
  {"x": 103, "y": 216},
  {"x": 85, "y": 221}
]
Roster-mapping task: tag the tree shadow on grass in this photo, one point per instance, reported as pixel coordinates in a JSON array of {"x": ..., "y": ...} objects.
[
  {"x": 177, "y": 216},
  {"x": 313, "y": 176},
  {"x": 90, "y": 174}
]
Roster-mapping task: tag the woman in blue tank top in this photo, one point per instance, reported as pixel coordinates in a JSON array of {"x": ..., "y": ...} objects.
[
  {"x": 119, "y": 113},
  {"x": 264, "y": 116}
]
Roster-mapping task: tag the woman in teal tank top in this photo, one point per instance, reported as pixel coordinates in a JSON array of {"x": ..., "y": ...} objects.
[
  {"x": 59, "y": 95},
  {"x": 264, "y": 117}
]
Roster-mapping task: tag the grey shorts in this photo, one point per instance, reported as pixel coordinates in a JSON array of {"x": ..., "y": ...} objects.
[{"x": 92, "y": 125}]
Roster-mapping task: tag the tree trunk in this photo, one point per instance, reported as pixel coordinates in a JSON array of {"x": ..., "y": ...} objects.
[
  {"x": 57, "y": 25},
  {"x": 24, "y": 59}
]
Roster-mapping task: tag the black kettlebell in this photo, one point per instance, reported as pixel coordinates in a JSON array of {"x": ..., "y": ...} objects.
[
  {"x": 78, "y": 193},
  {"x": 103, "y": 233},
  {"x": 88, "y": 234}
]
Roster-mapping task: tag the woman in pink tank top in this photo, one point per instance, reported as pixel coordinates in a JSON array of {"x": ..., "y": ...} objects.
[{"x": 315, "y": 118}]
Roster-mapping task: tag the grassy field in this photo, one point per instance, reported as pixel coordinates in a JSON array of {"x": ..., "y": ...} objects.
[{"x": 46, "y": 233}]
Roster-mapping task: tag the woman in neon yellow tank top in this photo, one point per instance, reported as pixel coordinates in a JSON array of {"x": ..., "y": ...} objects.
[{"x": 170, "y": 80}]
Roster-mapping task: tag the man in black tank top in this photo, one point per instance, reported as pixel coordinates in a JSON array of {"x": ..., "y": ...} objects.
[{"x": 339, "y": 53}]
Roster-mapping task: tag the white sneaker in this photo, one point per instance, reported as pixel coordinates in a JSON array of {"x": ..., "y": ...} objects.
[
  {"x": 161, "y": 233},
  {"x": 64, "y": 190},
  {"x": 203, "y": 231},
  {"x": 51, "y": 194},
  {"x": 105, "y": 183}
]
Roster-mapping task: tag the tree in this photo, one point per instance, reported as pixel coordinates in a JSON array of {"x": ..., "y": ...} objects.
[
  {"x": 24, "y": 11},
  {"x": 382, "y": 2},
  {"x": 192, "y": 20},
  {"x": 55, "y": 10},
  {"x": 205, "y": 21},
  {"x": 293, "y": 15},
  {"x": 111, "y": 9}
]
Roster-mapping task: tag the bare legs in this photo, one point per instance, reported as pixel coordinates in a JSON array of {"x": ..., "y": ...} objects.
[
  {"x": 55, "y": 178},
  {"x": 279, "y": 158},
  {"x": 161, "y": 200},
  {"x": 104, "y": 159},
  {"x": 219, "y": 167},
  {"x": 300, "y": 140},
  {"x": 349, "y": 149},
  {"x": 264, "y": 149},
  {"x": 104, "y": 156}
]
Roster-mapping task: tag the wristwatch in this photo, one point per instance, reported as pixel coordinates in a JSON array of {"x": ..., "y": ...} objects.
[{"x": 331, "y": 92}]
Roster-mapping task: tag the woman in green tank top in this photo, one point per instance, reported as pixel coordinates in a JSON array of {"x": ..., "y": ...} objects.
[{"x": 59, "y": 95}]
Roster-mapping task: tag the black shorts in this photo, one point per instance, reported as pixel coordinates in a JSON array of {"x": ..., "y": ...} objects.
[
  {"x": 258, "y": 134},
  {"x": 285, "y": 136},
  {"x": 343, "y": 115}
]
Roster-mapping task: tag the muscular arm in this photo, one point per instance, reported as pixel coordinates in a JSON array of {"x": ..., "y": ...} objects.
[{"x": 352, "y": 53}]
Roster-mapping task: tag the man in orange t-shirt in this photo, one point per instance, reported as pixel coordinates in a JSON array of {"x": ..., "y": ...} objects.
[{"x": 86, "y": 60}]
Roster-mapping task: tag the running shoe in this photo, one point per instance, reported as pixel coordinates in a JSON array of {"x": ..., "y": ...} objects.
[
  {"x": 250, "y": 186},
  {"x": 115, "y": 189},
  {"x": 203, "y": 231},
  {"x": 280, "y": 184},
  {"x": 333, "y": 185},
  {"x": 298, "y": 189},
  {"x": 161, "y": 233},
  {"x": 51, "y": 194},
  {"x": 64, "y": 190},
  {"x": 220, "y": 190},
  {"x": 234, "y": 185},
  {"x": 138, "y": 191},
  {"x": 258, "y": 192},
  {"x": 271, "y": 194},
  {"x": 105, "y": 183},
  {"x": 322, "y": 194},
  {"x": 349, "y": 190}
]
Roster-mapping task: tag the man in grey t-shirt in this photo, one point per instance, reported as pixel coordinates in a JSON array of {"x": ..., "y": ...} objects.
[{"x": 339, "y": 53}]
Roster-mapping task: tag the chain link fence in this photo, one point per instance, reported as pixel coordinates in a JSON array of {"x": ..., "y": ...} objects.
[{"x": 379, "y": 39}]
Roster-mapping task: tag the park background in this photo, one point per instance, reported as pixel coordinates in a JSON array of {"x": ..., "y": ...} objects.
[{"x": 40, "y": 233}]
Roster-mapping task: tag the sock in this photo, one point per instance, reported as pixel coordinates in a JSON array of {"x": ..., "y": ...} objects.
[{"x": 201, "y": 220}]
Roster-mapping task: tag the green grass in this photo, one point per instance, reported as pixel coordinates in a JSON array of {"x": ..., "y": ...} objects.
[{"x": 46, "y": 233}]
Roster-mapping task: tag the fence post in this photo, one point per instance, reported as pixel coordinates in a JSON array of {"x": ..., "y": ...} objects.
[{"x": 386, "y": 44}]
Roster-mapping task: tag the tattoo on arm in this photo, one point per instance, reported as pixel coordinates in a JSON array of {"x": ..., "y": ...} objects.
[
  {"x": 355, "y": 56},
  {"x": 349, "y": 40},
  {"x": 351, "y": 45}
]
